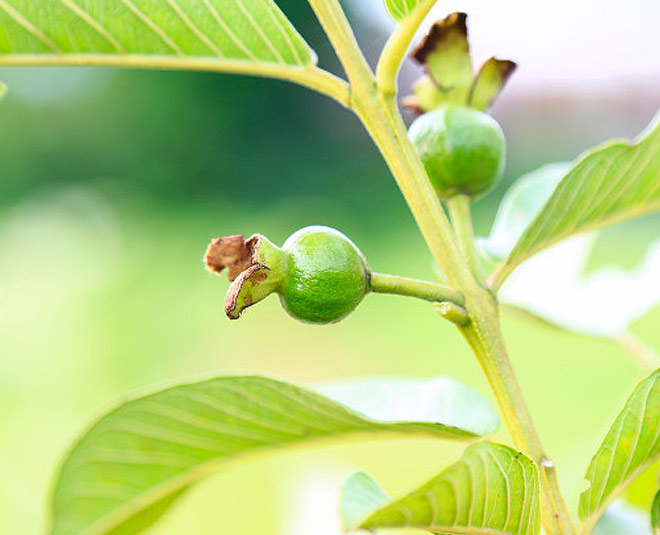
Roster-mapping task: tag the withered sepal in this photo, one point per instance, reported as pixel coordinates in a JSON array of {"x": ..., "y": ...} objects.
[{"x": 255, "y": 266}]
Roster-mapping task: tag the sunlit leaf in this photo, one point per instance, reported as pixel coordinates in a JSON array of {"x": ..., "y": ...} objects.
[
  {"x": 555, "y": 285},
  {"x": 440, "y": 399},
  {"x": 642, "y": 490},
  {"x": 132, "y": 464},
  {"x": 242, "y": 36},
  {"x": 491, "y": 490},
  {"x": 609, "y": 184},
  {"x": 631, "y": 446}
]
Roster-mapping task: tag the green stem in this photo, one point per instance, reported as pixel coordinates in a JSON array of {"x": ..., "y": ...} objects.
[
  {"x": 484, "y": 335},
  {"x": 336, "y": 26},
  {"x": 397, "y": 45},
  {"x": 429, "y": 291},
  {"x": 380, "y": 116},
  {"x": 459, "y": 211},
  {"x": 382, "y": 120},
  {"x": 390, "y": 136}
]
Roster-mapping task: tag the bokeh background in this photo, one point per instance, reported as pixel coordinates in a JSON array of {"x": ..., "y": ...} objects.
[{"x": 112, "y": 182}]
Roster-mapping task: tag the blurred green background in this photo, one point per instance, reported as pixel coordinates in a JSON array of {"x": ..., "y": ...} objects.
[{"x": 113, "y": 182}]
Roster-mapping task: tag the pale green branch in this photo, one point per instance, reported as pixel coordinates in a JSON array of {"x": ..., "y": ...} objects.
[
  {"x": 333, "y": 19},
  {"x": 461, "y": 218},
  {"x": 397, "y": 45}
]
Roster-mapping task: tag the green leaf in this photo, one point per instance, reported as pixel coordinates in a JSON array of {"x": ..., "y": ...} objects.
[
  {"x": 609, "y": 184},
  {"x": 360, "y": 496},
  {"x": 655, "y": 514},
  {"x": 630, "y": 447},
  {"x": 400, "y": 9},
  {"x": 246, "y": 30},
  {"x": 242, "y": 36},
  {"x": 131, "y": 465},
  {"x": 492, "y": 489}
]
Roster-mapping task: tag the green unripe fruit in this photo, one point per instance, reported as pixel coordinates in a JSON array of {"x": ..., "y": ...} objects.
[
  {"x": 327, "y": 275},
  {"x": 319, "y": 274},
  {"x": 462, "y": 149}
]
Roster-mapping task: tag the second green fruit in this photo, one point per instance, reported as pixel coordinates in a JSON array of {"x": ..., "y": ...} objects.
[{"x": 463, "y": 150}]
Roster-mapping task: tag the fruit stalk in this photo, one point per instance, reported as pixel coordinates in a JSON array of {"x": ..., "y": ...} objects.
[{"x": 429, "y": 291}]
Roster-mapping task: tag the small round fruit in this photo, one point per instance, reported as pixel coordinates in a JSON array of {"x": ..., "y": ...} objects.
[
  {"x": 326, "y": 278},
  {"x": 462, "y": 149}
]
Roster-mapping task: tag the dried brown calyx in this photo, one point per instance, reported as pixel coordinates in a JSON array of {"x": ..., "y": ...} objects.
[
  {"x": 234, "y": 253},
  {"x": 255, "y": 266},
  {"x": 450, "y": 80}
]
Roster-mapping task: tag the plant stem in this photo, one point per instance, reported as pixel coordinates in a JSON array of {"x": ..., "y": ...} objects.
[
  {"x": 484, "y": 335},
  {"x": 380, "y": 116},
  {"x": 429, "y": 291},
  {"x": 336, "y": 26},
  {"x": 485, "y": 338},
  {"x": 397, "y": 45},
  {"x": 459, "y": 211},
  {"x": 483, "y": 332}
]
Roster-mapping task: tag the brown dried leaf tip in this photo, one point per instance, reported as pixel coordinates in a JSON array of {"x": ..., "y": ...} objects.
[{"x": 232, "y": 252}]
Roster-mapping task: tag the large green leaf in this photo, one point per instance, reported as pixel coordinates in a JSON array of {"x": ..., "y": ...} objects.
[
  {"x": 243, "y": 36},
  {"x": 609, "y": 184},
  {"x": 631, "y": 446},
  {"x": 491, "y": 490},
  {"x": 137, "y": 460}
]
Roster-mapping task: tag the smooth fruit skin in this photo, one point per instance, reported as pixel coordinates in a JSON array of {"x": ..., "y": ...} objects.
[
  {"x": 462, "y": 149},
  {"x": 327, "y": 275}
]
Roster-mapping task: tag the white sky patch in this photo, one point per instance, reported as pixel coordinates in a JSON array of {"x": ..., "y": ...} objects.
[{"x": 564, "y": 41}]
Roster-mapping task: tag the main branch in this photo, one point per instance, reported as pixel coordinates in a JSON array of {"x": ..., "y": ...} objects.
[{"x": 380, "y": 115}]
